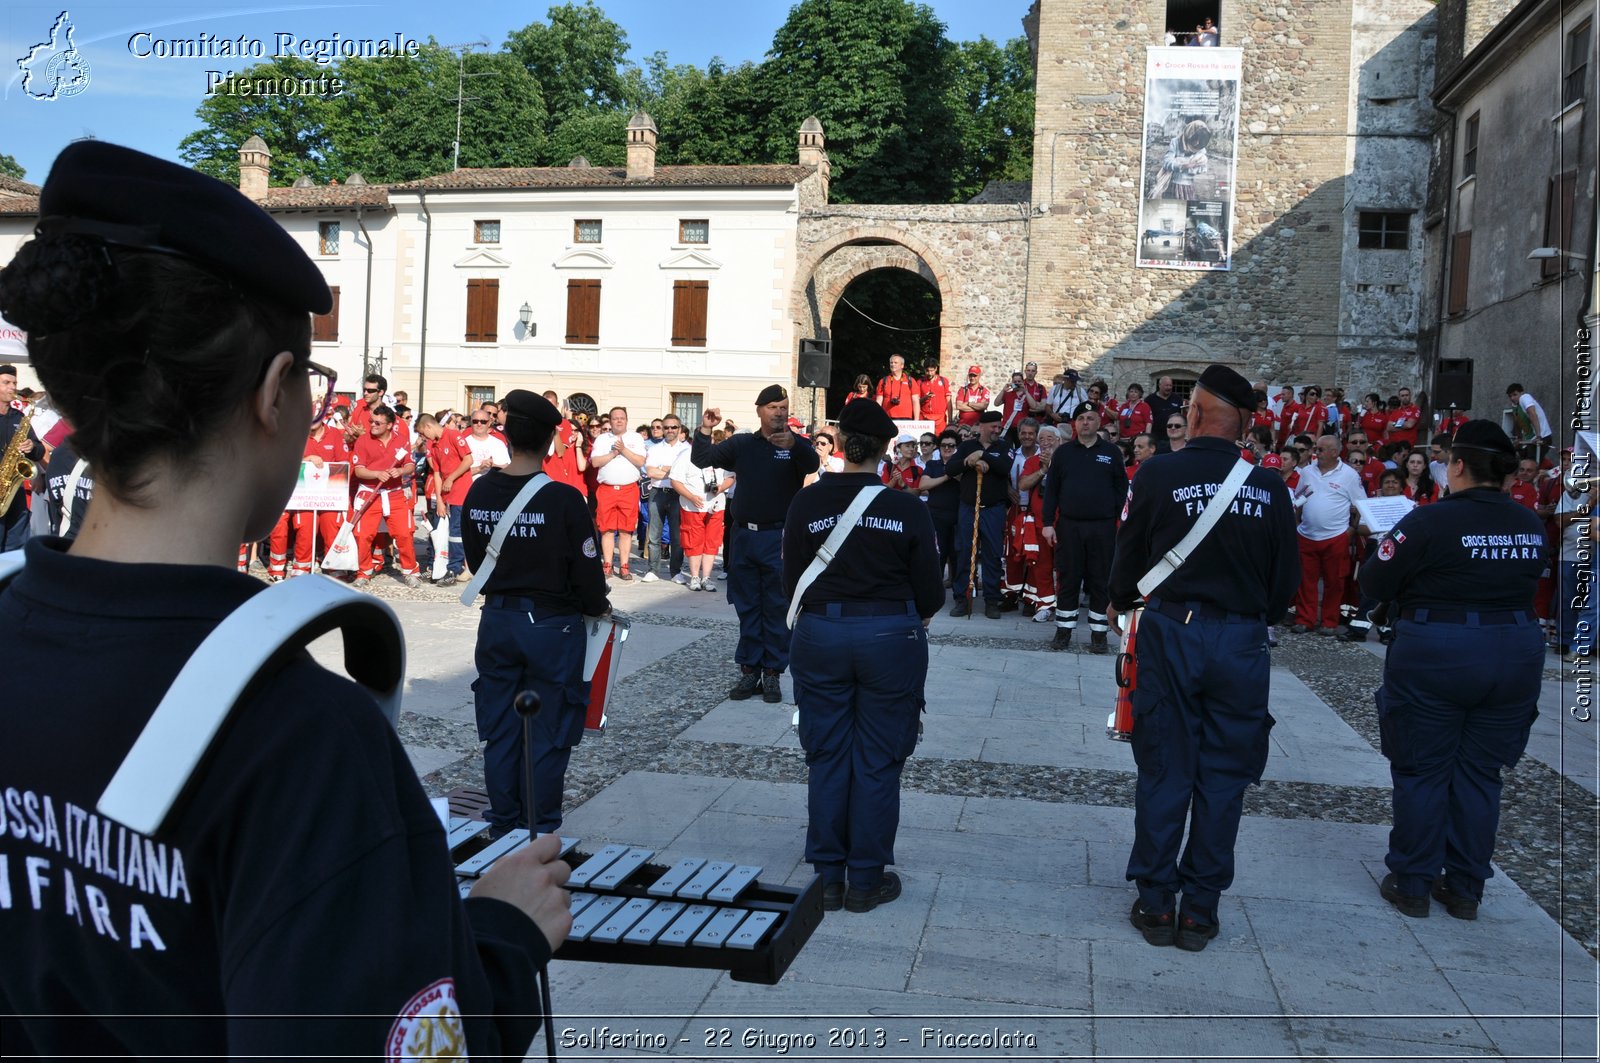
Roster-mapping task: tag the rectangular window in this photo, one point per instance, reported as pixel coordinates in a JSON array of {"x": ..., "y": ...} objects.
[
  {"x": 694, "y": 231},
  {"x": 586, "y": 231},
  {"x": 687, "y": 408},
  {"x": 1385, "y": 230},
  {"x": 583, "y": 311},
  {"x": 1558, "y": 222},
  {"x": 325, "y": 327},
  {"x": 1469, "y": 147},
  {"x": 1575, "y": 68},
  {"x": 1460, "y": 268},
  {"x": 328, "y": 238},
  {"x": 483, "y": 311},
  {"x": 486, "y": 232},
  {"x": 689, "y": 313},
  {"x": 477, "y": 395}
]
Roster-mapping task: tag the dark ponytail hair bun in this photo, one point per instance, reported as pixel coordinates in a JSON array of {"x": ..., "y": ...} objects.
[
  {"x": 55, "y": 282},
  {"x": 858, "y": 448}
]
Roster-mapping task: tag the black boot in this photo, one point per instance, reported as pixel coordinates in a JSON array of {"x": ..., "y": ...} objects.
[
  {"x": 1063, "y": 639},
  {"x": 1097, "y": 642}
]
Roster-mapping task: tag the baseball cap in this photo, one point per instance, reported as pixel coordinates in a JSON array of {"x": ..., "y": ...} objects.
[{"x": 974, "y": 370}]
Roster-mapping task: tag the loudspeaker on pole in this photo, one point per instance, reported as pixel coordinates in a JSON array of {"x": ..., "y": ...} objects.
[{"x": 816, "y": 363}]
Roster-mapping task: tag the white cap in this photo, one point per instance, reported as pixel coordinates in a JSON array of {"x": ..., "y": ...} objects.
[{"x": 905, "y": 437}]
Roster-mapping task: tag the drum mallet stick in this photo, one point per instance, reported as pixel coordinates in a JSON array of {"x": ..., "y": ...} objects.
[
  {"x": 527, "y": 705},
  {"x": 972, "y": 563}
]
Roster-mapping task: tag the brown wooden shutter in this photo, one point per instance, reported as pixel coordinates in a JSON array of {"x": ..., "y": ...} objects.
[
  {"x": 1558, "y": 222},
  {"x": 1460, "y": 267},
  {"x": 483, "y": 311},
  {"x": 325, "y": 327},
  {"x": 689, "y": 313},
  {"x": 583, "y": 311}
]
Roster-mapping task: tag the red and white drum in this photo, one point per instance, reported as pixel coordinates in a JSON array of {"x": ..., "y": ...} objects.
[
  {"x": 1119, "y": 726},
  {"x": 602, "y": 661}
]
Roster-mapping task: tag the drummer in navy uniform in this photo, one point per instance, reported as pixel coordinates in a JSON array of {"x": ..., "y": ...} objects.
[
  {"x": 1200, "y": 719},
  {"x": 860, "y": 654},
  {"x": 772, "y": 463},
  {"x": 1461, "y": 680},
  {"x": 298, "y": 900},
  {"x": 990, "y": 453},
  {"x": 531, "y": 632}
]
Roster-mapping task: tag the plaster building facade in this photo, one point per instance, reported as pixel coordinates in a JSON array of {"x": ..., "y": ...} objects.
[{"x": 1514, "y": 174}]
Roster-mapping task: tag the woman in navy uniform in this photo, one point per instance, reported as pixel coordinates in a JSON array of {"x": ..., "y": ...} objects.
[
  {"x": 860, "y": 658},
  {"x": 299, "y": 900},
  {"x": 1461, "y": 681},
  {"x": 531, "y": 634}
]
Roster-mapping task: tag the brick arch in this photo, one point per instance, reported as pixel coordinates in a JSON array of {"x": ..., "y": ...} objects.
[{"x": 889, "y": 258}]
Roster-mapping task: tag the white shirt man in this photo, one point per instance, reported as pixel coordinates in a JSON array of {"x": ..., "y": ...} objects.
[
  {"x": 1328, "y": 489},
  {"x": 488, "y": 451},
  {"x": 618, "y": 473},
  {"x": 661, "y": 455}
]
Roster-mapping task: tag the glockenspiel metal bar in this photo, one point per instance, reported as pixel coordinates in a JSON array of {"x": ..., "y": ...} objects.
[
  {"x": 679, "y": 873},
  {"x": 465, "y": 832},
  {"x": 580, "y": 901},
  {"x": 622, "y": 921},
  {"x": 734, "y": 883},
  {"x": 752, "y": 930},
  {"x": 621, "y": 868},
  {"x": 707, "y": 877},
  {"x": 479, "y": 862},
  {"x": 721, "y": 927},
  {"x": 684, "y": 928},
  {"x": 646, "y": 930},
  {"x": 594, "y": 915},
  {"x": 586, "y": 871}
]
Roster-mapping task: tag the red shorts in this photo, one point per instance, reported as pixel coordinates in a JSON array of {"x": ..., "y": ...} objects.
[
  {"x": 617, "y": 508},
  {"x": 702, "y": 533}
]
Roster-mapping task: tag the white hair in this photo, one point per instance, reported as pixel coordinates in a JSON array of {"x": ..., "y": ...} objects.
[{"x": 1052, "y": 430}]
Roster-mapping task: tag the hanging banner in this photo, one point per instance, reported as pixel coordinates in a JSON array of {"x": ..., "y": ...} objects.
[{"x": 1191, "y": 142}]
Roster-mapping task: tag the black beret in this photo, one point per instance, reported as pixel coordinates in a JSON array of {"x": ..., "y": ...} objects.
[
  {"x": 1084, "y": 407},
  {"x": 989, "y": 417},
  {"x": 1229, "y": 386},
  {"x": 868, "y": 419},
  {"x": 772, "y": 393},
  {"x": 536, "y": 408},
  {"x": 130, "y": 199},
  {"x": 1483, "y": 435}
]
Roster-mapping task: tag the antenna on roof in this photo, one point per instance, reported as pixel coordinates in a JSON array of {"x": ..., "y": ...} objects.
[{"x": 461, "y": 98}]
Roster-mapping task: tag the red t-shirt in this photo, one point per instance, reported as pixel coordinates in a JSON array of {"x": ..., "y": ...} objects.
[
  {"x": 370, "y": 454},
  {"x": 1013, "y": 407},
  {"x": 911, "y": 475},
  {"x": 1263, "y": 419},
  {"x": 1133, "y": 418},
  {"x": 329, "y": 448},
  {"x": 1407, "y": 435},
  {"x": 935, "y": 395},
  {"x": 1371, "y": 473},
  {"x": 898, "y": 397},
  {"x": 1375, "y": 423},
  {"x": 564, "y": 469},
  {"x": 1525, "y": 493},
  {"x": 1422, "y": 500},
  {"x": 446, "y": 454},
  {"x": 977, "y": 395},
  {"x": 361, "y": 417},
  {"x": 1308, "y": 419},
  {"x": 1452, "y": 423}
]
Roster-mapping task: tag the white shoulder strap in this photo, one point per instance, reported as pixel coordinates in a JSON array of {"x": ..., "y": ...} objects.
[
  {"x": 1216, "y": 506},
  {"x": 69, "y": 493},
  {"x": 830, "y": 547},
  {"x": 243, "y": 649},
  {"x": 508, "y": 519}
]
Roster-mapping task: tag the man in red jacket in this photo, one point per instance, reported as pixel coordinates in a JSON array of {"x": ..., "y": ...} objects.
[{"x": 897, "y": 392}]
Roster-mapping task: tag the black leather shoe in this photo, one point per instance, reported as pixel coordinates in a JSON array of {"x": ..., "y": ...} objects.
[
  {"x": 961, "y": 608},
  {"x": 749, "y": 684},
  {"x": 1063, "y": 639},
  {"x": 771, "y": 692},
  {"x": 865, "y": 900},
  {"x": 992, "y": 610},
  {"x": 1028, "y": 609},
  {"x": 1157, "y": 929},
  {"x": 833, "y": 896},
  {"x": 1193, "y": 935},
  {"x": 1454, "y": 903},
  {"x": 1355, "y": 634},
  {"x": 1404, "y": 903},
  {"x": 1097, "y": 642}
]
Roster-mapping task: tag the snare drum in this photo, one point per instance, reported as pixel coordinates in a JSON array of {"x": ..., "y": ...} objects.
[{"x": 602, "y": 660}]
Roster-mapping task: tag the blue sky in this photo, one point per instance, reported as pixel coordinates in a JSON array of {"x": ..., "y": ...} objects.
[{"x": 149, "y": 103}]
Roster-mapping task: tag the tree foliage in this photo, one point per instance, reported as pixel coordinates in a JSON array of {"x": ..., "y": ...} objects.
[
  {"x": 909, "y": 115},
  {"x": 11, "y": 167}
]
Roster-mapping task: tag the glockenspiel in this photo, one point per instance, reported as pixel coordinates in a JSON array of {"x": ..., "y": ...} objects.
[{"x": 696, "y": 912}]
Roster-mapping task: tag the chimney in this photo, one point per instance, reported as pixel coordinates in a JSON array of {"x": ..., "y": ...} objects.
[
  {"x": 813, "y": 150},
  {"x": 254, "y": 163},
  {"x": 641, "y": 147}
]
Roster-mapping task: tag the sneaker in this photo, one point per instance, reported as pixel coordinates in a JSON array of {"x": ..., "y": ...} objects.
[
  {"x": 1457, "y": 905},
  {"x": 991, "y": 610},
  {"x": 1404, "y": 903},
  {"x": 1098, "y": 642},
  {"x": 865, "y": 900},
  {"x": 961, "y": 608},
  {"x": 1157, "y": 929},
  {"x": 748, "y": 684},
  {"x": 411, "y": 581},
  {"x": 833, "y": 896},
  {"x": 624, "y": 575},
  {"x": 1063, "y": 638},
  {"x": 1193, "y": 935},
  {"x": 694, "y": 583},
  {"x": 1299, "y": 629},
  {"x": 1045, "y": 615},
  {"x": 681, "y": 580},
  {"x": 648, "y": 577},
  {"x": 771, "y": 689},
  {"x": 708, "y": 584},
  {"x": 449, "y": 579}
]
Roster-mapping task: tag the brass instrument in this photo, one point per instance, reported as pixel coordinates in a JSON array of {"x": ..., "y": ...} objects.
[{"x": 14, "y": 468}]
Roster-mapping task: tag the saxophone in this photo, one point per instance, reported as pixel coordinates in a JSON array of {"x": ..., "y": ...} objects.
[{"x": 14, "y": 468}]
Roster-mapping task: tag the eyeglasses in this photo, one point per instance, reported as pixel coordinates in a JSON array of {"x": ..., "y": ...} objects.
[
  {"x": 323, "y": 380},
  {"x": 674, "y": 427},
  {"x": 1175, "y": 425},
  {"x": 369, "y": 391},
  {"x": 480, "y": 420},
  {"x": 948, "y": 444}
]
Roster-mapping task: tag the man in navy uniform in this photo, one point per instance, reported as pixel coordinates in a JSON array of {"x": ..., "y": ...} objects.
[
  {"x": 990, "y": 454},
  {"x": 772, "y": 464},
  {"x": 1200, "y": 719},
  {"x": 1083, "y": 493}
]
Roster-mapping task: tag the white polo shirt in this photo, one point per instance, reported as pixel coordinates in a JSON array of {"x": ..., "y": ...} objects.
[
  {"x": 1328, "y": 497},
  {"x": 619, "y": 472},
  {"x": 663, "y": 453}
]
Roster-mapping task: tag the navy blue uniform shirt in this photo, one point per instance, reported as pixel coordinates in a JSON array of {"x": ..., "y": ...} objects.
[
  {"x": 1473, "y": 550},
  {"x": 550, "y": 554},
  {"x": 769, "y": 477},
  {"x": 62, "y": 461},
  {"x": 946, "y": 498},
  {"x": 1084, "y": 483},
  {"x": 303, "y": 874},
  {"x": 1249, "y": 564},
  {"x": 996, "y": 476},
  {"x": 891, "y": 556}
]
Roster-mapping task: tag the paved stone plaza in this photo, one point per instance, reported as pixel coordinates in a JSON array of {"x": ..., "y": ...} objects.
[{"x": 1012, "y": 938}]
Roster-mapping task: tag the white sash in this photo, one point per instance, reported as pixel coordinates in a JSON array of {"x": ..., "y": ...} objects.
[
  {"x": 491, "y": 556},
  {"x": 830, "y": 547},
  {"x": 1218, "y": 504}
]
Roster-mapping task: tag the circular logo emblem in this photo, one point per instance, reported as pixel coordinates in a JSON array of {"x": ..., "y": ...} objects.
[
  {"x": 589, "y": 549},
  {"x": 1386, "y": 550},
  {"x": 67, "y": 74}
]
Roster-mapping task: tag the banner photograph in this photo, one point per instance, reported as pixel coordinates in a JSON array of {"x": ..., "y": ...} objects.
[{"x": 1191, "y": 140}]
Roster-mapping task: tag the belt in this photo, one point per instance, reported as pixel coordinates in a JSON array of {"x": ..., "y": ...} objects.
[
  {"x": 1452, "y": 616},
  {"x": 776, "y": 525},
  {"x": 523, "y": 605},
  {"x": 619, "y": 487},
  {"x": 838, "y": 609},
  {"x": 1183, "y": 612}
]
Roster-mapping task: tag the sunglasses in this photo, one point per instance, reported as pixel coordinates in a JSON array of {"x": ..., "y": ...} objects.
[
  {"x": 479, "y": 420},
  {"x": 926, "y": 443},
  {"x": 370, "y": 391},
  {"x": 1174, "y": 426},
  {"x": 674, "y": 428}
]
